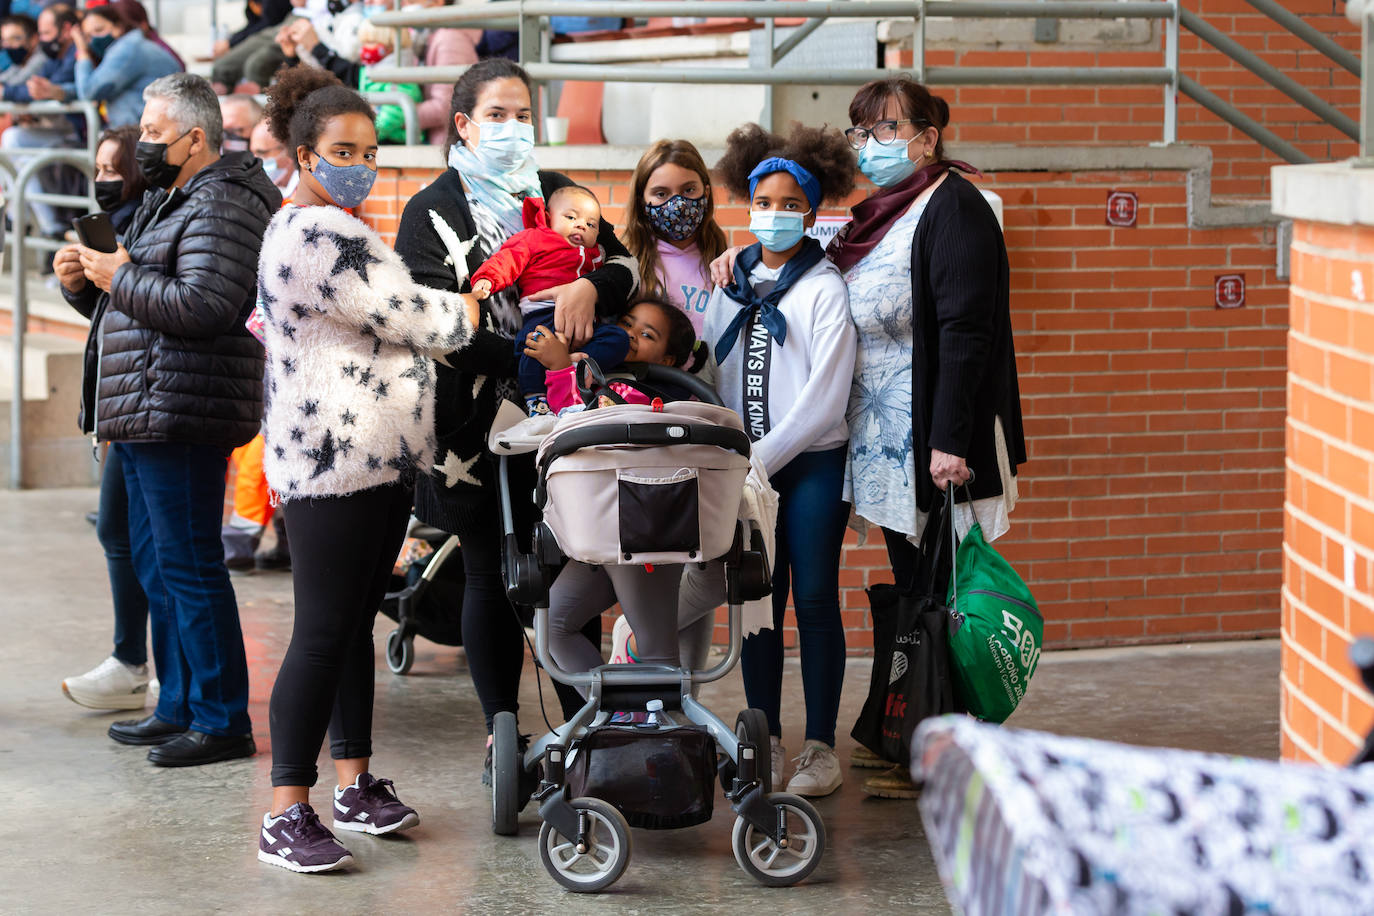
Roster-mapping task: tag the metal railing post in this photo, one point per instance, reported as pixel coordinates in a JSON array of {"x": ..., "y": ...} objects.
[
  {"x": 33, "y": 161},
  {"x": 766, "y": 118},
  {"x": 1366, "y": 97},
  {"x": 918, "y": 44},
  {"x": 1171, "y": 61},
  {"x": 19, "y": 316}
]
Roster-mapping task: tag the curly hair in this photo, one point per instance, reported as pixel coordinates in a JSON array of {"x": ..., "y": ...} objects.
[
  {"x": 822, "y": 151},
  {"x": 303, "y": 99},
  {"x": 918, "y": 104},
  {"x": 640, "y": 238}
]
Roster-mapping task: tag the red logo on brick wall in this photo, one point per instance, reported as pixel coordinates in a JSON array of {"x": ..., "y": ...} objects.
[
  {"x": 1229, "y": 291},
  {"x": 1122, "y": 207}
]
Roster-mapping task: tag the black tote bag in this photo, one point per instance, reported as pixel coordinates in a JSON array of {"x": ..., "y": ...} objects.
[{"x": 911, "y": 667}]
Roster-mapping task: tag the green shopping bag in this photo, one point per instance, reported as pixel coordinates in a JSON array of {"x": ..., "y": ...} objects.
[{"x": 995, "y": 627}]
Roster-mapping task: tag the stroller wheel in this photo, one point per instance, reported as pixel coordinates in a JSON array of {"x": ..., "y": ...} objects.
[
  {"x": 505, "y": 774},
  {"x": 604, "y": 855},
  {"x": 773, "y": 865},
  {"x": 400, "y": 652},
  {"x": 752, "y": 725}
]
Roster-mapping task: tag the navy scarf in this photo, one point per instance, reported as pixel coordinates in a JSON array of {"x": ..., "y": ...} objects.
[{"x": 810, "y": 254}]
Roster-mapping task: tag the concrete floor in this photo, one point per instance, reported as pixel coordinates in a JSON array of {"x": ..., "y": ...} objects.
[{"x": 94, "y": 827}]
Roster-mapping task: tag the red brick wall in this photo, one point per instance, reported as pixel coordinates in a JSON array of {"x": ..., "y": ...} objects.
[
  {"x": 1328, "y": 544},
  {"x": 1076, "y": 115},
  {"x": 1151, "y": 505}
]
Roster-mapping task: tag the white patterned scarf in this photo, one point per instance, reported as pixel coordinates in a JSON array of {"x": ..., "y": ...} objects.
[{"x": 501, "y": 194}]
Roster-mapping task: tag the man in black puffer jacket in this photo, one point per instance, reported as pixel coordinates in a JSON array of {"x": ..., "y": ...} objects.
[{"x": 174, "y": 381}]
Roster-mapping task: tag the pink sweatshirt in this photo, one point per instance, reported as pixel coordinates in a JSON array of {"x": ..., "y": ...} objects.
[
  {"x": 561, "y": 385},
  {"x": 686, "y": 280},
  {"x": 445, "y": 48}
]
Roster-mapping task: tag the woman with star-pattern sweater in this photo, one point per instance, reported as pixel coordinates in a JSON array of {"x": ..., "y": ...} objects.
[{"x": 350, "y": 394}]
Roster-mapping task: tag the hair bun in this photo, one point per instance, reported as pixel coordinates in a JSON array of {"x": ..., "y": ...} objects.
[{"x": 941, "y": 108}]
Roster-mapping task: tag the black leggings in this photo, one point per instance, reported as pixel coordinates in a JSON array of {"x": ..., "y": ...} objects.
[
  {"x": 493, "y": 637},
  {"x": 342, "y": 552}
]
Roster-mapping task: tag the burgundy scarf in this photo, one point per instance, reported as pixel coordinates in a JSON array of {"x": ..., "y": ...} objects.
[{"x": 874, "y": 216}]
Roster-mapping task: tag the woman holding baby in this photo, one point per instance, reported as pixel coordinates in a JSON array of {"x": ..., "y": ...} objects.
[{"x": 447, "y": 232}]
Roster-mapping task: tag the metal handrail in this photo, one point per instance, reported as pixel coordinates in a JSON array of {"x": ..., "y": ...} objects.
[
  {"x": 20, "y": 315},
  {"x": 1323, "y": 43},
  {"x": 408, "y": 108},
  {"x": 1270, "y": 74},
  {"x": 89, "y": 109}
]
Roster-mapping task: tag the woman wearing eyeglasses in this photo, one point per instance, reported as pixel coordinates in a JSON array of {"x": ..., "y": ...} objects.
[{"x": 935, "y": 399}]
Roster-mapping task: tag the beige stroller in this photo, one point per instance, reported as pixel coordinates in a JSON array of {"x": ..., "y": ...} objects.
[{"x": 635, "y": 484}]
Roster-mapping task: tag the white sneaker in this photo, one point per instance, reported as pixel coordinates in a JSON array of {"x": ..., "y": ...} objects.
[
  {"x": 110, "y": 685},
  {"x": 777, "y": 759},
  {"x": 621, "y": 634},
  {"x": 154, "y": 689},
  {"x": 818, "y": 771}
]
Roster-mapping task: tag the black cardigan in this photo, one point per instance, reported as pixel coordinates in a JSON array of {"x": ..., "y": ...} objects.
[
  {"x": 465, "y": 393},
  {"x": 963, "y": 360}
]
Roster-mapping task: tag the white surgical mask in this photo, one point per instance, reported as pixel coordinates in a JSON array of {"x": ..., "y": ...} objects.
[
  {"x": 777, "y": 230},
  {"x": 505, "y": 145}
]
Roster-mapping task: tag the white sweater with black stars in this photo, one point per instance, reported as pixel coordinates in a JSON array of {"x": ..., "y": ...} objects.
[{"x": 350, "y": 338}]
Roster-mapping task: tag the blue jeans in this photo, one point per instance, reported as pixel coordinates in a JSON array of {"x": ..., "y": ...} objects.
[
  {"x": 811, "y": 523},
  {"x": 609, "y": 346},
  {"x": 112, "y": 529},
  {"x": 176, "y": 500}
]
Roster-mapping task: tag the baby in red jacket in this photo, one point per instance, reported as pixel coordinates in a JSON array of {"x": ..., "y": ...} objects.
[{"x": 557, "y": 247}]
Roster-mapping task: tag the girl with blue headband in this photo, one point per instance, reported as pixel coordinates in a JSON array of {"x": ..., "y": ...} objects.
[{"x": 784, "y": 343}]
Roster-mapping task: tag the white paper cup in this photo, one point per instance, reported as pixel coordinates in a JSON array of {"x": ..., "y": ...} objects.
[{"x": 555, "y": 131}]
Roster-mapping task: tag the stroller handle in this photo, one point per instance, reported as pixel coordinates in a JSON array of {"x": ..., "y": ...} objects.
[
  {"x": 650, "y": 434},
  {"x": 651, "y": 372}
]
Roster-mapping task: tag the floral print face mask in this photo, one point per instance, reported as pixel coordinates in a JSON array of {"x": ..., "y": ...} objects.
[{"x": 678, "y": 217}]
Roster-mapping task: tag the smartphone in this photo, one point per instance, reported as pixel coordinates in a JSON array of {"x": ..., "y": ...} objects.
[{"x": 95, "y": 231}]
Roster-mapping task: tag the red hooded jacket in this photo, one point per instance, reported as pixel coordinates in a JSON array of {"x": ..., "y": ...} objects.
[{"x": 537, "y": 258}]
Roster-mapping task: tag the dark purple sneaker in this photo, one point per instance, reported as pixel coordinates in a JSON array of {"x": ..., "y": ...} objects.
[
  {"x": 371, "y": 806},
  {"x": 298, "y": 841}
]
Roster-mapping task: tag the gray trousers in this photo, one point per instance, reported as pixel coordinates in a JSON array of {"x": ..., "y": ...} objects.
[{"x": 650, "y": 603}]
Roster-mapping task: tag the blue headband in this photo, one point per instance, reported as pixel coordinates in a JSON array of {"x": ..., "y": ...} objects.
[{"x": 809, "y": 185}]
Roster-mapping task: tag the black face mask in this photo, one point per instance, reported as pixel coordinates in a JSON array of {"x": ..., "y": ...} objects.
[
  {"x": 109, "y": 194},
  {"x": 233, "y": 143},
  {"x": 152, "y": 162},
  {"x": 52, "y": 48},
  {"x": 18, "y": 55}
]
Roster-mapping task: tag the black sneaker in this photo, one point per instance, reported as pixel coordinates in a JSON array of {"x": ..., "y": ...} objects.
[
  {"x": 298, "y": 841},
  {"x": 371, "y": 806}
]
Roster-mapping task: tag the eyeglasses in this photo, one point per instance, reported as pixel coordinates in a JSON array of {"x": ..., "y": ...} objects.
[{"x": 885, "y": 132}]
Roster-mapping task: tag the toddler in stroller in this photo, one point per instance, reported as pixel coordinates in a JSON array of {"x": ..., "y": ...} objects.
[{"x": 625, "y": 486}]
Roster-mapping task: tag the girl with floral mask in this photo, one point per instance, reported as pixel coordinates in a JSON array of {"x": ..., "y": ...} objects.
[
  {"x": 673, "y": 232},
  {"x": 784, "y": 344},
  {"x": 935, "y": 391},
  {"x": 348, "y": 427},
  {"x": 447, "y": 231}
]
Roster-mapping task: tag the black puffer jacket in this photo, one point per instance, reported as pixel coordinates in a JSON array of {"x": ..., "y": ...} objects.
[{"x": 168, "y": 358}]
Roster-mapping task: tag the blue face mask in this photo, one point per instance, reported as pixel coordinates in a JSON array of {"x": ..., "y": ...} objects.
[
  {"x": 885, "y": 164},
  {"x": 346, "y": 185},
  {"x": 272, "y": 169},
  {"x": 777, "y": 230},
  {"x": 505, "y": 145},
  {"x": 100, "y": 44}
]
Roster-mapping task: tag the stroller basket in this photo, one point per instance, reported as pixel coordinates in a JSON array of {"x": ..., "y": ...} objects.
[{"x": 616, "y": 489}]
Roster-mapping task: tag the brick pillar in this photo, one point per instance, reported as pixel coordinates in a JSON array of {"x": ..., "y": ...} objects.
[{"x": 1328, "y": 534}]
